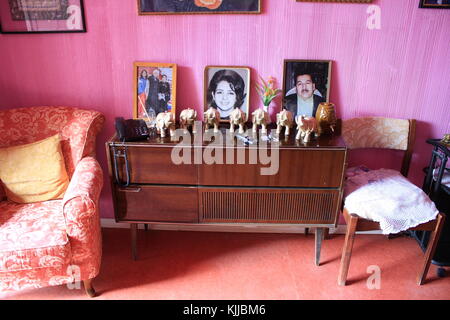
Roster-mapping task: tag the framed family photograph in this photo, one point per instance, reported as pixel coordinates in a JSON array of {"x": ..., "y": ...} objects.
[
  {"x": 306, "y": 84},
  {"x": 154, "y": 89},
  {"x": 41, "y": 16},
  {"x": 227, "y": 88},
  {"x": 198, "y": 6},
  {"x": 435, "y": 4}
]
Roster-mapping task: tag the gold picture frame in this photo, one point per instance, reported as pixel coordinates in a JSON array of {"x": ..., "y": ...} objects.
[
  {"x": 157, "y": 92},
  {"x": 197, "y": 7},
  {"x": 223, "y": 97}
]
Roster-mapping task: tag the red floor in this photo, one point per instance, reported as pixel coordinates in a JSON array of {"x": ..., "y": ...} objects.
[{"x": 205, "y": 265}]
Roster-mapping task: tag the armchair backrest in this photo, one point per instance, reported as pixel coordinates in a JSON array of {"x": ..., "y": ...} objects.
[
  {"x": 78, "y": 129},
  {"x": 383, "y": 133}
]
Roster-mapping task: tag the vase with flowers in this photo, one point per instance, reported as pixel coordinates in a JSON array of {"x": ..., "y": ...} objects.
[{"x": 267, "y": 91}]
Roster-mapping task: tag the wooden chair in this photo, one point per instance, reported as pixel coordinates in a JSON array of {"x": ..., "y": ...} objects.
[{"x": 383, "y": 133}]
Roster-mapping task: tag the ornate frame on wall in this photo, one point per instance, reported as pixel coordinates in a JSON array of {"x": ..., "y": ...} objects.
[
  {"x": 197, "y": 7},
  {"x": 341, "y": 1},
  {"x": 432, "y": 4},
  {"x": 48, "y": 16}
]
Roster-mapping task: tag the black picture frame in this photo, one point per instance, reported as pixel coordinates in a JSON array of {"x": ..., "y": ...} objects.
[
  {"x": 432, "y": 4},
  {"x": 320, "y": 73},
  {"x": 80, "y": 3}
]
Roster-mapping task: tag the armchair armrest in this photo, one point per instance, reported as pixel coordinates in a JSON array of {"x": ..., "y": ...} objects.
[
  {"x": 87, "y": 181},
  {"x": 80, "y": 209}
]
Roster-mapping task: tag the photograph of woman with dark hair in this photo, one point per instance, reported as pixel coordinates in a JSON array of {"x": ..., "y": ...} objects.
[
  {"x": 227, "y": 90},
  {"x": 143, "y": 88}
]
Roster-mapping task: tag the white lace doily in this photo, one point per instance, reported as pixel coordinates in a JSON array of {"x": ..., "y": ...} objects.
[{"x": 385, "y": 196}]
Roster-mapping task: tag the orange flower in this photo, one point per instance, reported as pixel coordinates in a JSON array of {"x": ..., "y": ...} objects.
[{"x": 210, "y": 4}]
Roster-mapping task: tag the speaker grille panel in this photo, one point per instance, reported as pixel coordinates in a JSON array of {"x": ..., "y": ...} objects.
[{"x": 268, "y": 206}]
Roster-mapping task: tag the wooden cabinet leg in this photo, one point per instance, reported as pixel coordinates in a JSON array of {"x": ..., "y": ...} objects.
[
  {"x": 326, "y": 234},
  {"x": 319, "y": 239},
  {"x": 145, "y": 226},
  {"x": 134, "y": 227},
  {"x": 347, "y": 249},
  {"x": 90, "y": 291},
  {"x": 431, "y": 248}
]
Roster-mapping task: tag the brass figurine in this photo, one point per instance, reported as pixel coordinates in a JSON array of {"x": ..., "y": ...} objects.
[
  {"x": 306, "y": 126},
  {"x": 326, "y": 118}
]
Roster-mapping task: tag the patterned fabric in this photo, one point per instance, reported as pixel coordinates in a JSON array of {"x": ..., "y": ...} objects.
[
  {"x": 80, "y": 207},
  {"x": 376, "y": 133},
  {"x": 78, "y": 129},
  {"x": 32, "y": 236},
  {"x": 53, "y": 242}
]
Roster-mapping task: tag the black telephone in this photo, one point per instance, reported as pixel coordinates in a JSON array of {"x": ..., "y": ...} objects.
[{"x": 131, "y": 129}]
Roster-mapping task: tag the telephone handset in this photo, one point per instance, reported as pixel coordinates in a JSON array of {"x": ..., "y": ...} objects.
[
  {"x": 127, "y": 130},
  {"x": 131, "y": 129}
]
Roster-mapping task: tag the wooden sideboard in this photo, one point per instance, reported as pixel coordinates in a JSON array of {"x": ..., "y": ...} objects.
[{"x": 306, "y": 190}]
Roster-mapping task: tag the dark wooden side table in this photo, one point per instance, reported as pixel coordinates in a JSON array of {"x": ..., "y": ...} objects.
[
  {"x": 440, "y": 194},
  {"x": 306, "y": 191}
]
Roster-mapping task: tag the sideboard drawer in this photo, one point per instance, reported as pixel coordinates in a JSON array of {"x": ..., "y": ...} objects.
[
  {"x": 157, "y": 203},
  {"x": 314, "y": 168},
  {"x": 152, "y": 166}
]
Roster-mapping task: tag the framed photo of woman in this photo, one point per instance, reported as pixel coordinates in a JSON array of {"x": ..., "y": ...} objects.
[
  {"x": 227, "y": 88},
  {"x": 154, "y": 89},
  {"x": 306, "y": 84}
]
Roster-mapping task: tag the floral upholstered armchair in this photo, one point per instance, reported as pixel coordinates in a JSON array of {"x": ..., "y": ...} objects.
[{"x": 58, "y": 241}]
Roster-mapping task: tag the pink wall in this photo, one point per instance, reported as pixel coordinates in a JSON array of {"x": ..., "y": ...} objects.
[{"x": 399, "y": 71}]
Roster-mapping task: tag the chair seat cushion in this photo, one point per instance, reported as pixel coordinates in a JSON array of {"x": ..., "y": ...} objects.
[
  {"x": 32, "y": 236},
  {"x": 387, "y": 197}
]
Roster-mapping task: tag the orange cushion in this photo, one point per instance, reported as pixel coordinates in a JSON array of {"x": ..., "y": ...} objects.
[{"x": 34, "y": 172}]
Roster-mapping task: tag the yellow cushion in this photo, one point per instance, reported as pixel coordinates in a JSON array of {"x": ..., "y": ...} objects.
[{"x": 34, "y": 172}]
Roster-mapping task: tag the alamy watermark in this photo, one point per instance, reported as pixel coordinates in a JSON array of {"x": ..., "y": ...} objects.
[
  {"x": 374, "y": 19},
  {"x": 220, "y": 148},
  {"x": 374, "y": 281}
]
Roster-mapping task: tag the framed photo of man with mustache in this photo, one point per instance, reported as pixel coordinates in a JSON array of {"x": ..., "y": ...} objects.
[{"x": 306, "y": 84}]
